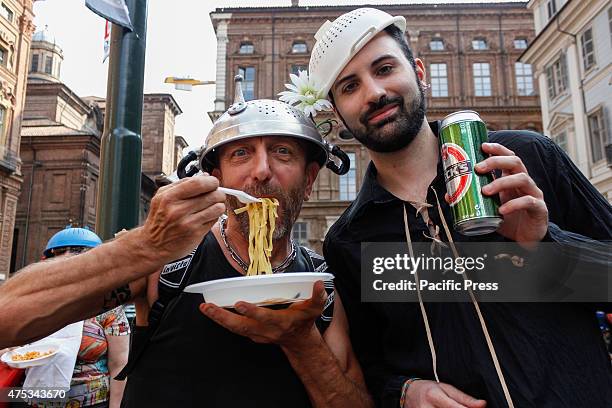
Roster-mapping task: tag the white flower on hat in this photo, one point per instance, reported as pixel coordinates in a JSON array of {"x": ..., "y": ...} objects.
[{"x": 305, "y": 93}]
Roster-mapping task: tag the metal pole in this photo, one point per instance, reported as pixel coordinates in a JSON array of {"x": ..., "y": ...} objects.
[{"x": 118, "y": 204}]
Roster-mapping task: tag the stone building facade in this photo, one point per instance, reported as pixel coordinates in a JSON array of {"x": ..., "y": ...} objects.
[
  {"x": 60, "y": 151},
  {"x": 572, "y": 60},
  {"x": 470, "y": 52},
  {"x": 16, "y": 29},
  {"x": 159, "y": 151}
]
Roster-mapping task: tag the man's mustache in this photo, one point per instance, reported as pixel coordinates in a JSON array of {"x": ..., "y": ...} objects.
[
  {"x": 264, "y": 190},
  {"x": 382, "y": 102}
]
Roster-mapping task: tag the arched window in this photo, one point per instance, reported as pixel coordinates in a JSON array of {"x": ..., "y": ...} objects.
[
  {"x": 246, "y": 48},
  {"x": 436, "y": 44},
  {"x": 49, "y": 65},
  {"x": 34, "y": 66},
  {"x": 480, "y": 44},
  {"x": 520, "y": 43},
  {"x": 299, "y": 47}
]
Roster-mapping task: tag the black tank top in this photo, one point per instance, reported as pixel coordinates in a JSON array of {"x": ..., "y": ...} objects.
[{"x": 192, "y": 361}]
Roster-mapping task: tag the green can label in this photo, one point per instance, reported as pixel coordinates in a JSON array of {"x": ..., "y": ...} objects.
[{"x": 460, "y": 151}]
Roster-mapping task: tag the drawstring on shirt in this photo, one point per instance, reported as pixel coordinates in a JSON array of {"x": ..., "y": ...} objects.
[{"x": 483, "y": 324}]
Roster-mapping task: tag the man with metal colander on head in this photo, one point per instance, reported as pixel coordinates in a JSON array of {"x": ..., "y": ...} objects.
[
  {"x": 194, "y": 354},
  {"x": 425, "y": 354}
]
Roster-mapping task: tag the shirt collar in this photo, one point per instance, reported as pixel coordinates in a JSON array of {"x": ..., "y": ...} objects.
[{"x": 371, "y": 192}]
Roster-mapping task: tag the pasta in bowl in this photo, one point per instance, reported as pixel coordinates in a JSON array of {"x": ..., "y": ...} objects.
[{"x": 31, "y": 355}]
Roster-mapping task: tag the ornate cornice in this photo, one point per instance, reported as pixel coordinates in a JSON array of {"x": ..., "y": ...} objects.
[
  {"x": 6, "y": 92},
  {"x": 26, "y": 25}
]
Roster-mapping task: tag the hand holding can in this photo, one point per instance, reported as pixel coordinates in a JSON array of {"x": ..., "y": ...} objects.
[{"x": 461, "y": 137}]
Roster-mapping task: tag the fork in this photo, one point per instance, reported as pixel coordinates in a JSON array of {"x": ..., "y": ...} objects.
[{"x": 243, "y": 197}]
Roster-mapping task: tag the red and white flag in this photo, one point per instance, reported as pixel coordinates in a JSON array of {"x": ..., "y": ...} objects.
[
  {"x": 107, "y": 36},
  {"x": 116, "y": 11}
]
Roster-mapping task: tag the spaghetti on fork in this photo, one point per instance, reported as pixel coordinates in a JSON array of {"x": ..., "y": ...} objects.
[{"x": 262, "y": 221}]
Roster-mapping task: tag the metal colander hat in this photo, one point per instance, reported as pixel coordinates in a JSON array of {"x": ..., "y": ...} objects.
[
  {"x": 338, "y": 42},
  {"x": 72, "y": 237},
  {"x": 261, "y": 117}
]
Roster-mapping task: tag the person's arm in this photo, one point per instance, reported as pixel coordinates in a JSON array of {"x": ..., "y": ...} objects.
[
  {"x": 118, "y": 350},
  {"x": 328, "y": 367},
  {"x": 47, "y": 295},
  {"x": 117, "y": 332},
  {"x": 147, "y": 297},
  {"x": 330, "y": 373}
]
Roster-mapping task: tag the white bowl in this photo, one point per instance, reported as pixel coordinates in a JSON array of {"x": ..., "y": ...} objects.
[
  {"x": 262, "y": 290},
  {"x": 42, "y": 348}
]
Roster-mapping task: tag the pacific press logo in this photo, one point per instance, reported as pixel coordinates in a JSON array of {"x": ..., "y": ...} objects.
[{"x": 458, "y": 173}]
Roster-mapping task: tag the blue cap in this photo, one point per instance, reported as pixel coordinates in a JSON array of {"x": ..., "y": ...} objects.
[{"x": 72, "y": 237}]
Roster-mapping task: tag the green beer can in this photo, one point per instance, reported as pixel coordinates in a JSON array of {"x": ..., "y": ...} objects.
[{"x": 461, "y": 135}]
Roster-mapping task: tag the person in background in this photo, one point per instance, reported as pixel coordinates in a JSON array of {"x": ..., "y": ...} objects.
[{"x": 105, "y": 340}]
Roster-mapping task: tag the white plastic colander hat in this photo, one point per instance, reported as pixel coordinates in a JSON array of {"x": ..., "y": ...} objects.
[{"x": 338, "y": 42}]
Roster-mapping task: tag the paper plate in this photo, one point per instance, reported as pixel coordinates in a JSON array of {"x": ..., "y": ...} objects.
[
  {"x": 262, "y": 290},
  {"x": 7, "y": 357}
]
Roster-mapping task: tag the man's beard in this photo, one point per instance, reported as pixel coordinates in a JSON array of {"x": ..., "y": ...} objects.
[
  {"x": 400, "y": 128},
  {"x": 289, "y": 202}
]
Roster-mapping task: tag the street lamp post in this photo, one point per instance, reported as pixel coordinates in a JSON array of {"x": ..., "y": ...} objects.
[{"x": 118, "y": 203}]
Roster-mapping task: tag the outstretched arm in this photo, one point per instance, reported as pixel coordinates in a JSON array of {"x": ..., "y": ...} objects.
[{"x": 46, "y": 296}]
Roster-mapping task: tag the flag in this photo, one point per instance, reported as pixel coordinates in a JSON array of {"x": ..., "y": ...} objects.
[
  {"x": 107, "y": 33},
  {"x": 115, "y": 11}
]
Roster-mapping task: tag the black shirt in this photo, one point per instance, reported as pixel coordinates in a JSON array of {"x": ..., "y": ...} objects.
[
  {"x": 552, "y": 355},
  {"x": 192, "y": 361}
]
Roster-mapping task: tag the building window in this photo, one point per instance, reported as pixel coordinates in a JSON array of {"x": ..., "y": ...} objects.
[
  {"x": 299, "y": 47},
  {"x": 6, "y": 12},
  {"x": 482, "y": 79},
  {"x": 348, "y": 182},
  {"x": 561, "y": 140},
  {"x": 556, "y": 77},
  {"x": 246, "y": 48},
  {"x": 49, "y": 65},
  {"x": 610, "y": 22},
  {"x": 524, "y": 79},
  {"x": 299, "y": 233},
  {"x": 296, "y": 68},
  {"x": 436, "y": 45},
  {"x": 551, "y": 8},
  {"x": 598, "y": 135},
  {"x": 2, "y": 123},
  {"x": 588, "y": 49},
  {"x": 3, "y": 56},
  {"x": 520, "y": 43},
  {"x": 439, "y": 80},
  {"x": 248, "y": 83},
  {"x": 479, "y": 44},
  {"x": 34, "y": 66}
]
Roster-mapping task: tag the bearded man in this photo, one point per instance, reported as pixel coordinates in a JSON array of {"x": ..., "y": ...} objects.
[
  {"x": 186, "y": 353},
  {"x": 450, "y": 355}
]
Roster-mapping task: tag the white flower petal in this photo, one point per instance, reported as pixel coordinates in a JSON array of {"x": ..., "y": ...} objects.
[
  {"x": 323, "y": 104},
  {"x": 310, "y": 110}
]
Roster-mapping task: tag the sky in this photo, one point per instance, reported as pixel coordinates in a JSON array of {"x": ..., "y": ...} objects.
[{"x": 180, "y": 42}]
